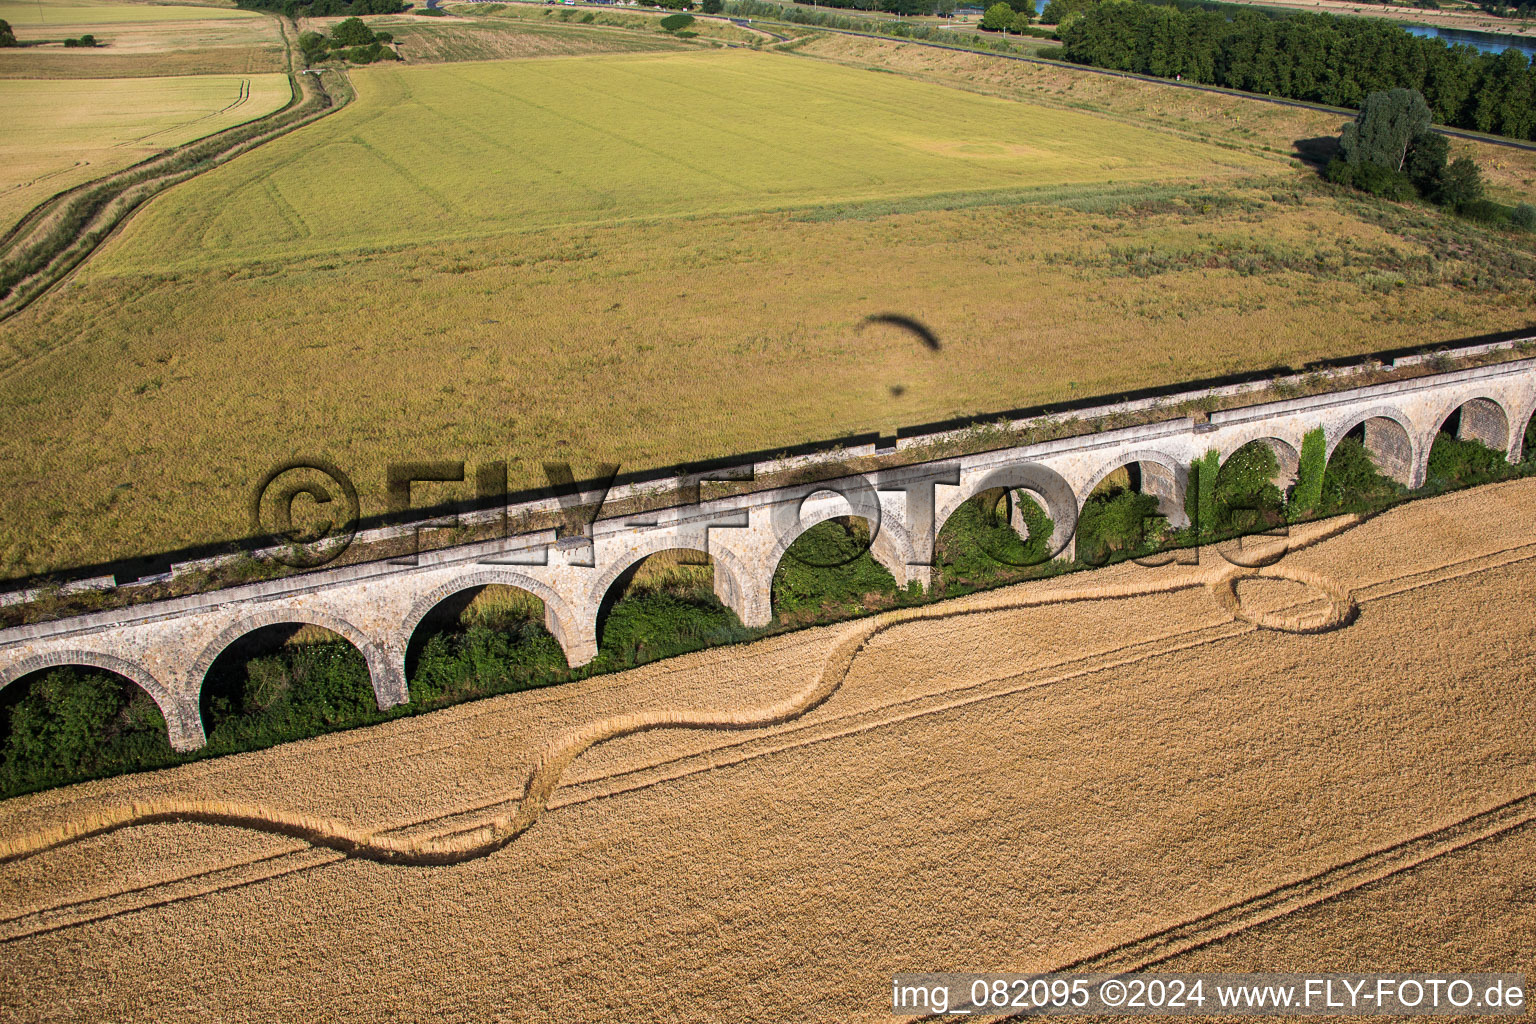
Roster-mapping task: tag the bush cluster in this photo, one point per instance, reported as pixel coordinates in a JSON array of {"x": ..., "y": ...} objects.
[
  {"x": 977, "y": 547},
  {"x": 351, "y": 40}
]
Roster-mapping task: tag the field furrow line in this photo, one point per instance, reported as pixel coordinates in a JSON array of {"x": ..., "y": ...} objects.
[
  {"x": 160, "y": 894},
  {"x": 1327, "y": 884}
]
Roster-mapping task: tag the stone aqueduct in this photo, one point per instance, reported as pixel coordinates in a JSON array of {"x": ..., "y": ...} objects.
[{"x": 168, "y": 646}]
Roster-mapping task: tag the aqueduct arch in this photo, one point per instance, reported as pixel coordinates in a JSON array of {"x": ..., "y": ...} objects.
[
  {"x": 1389, "y": 439},
  {"x": 561, "y": 621},
  {"x": 385, "y": 673},
  {"x": 184, "y": 732},
  {"x": 1161, "y": 477},
  {"x": 1287, "y": 459},
  {"x": 1477, "y": 419},
  {"x": 729, "y": 583}
]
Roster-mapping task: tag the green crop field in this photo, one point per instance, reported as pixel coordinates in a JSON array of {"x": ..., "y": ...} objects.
[
  {"x": 647, "y": 259},
  {"x": 60, "y": 133},
  {"x": 454, "y": 152}
]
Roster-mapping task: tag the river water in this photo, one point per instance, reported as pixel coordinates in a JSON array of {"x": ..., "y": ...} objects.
[{"x": 1488, "y": 42}]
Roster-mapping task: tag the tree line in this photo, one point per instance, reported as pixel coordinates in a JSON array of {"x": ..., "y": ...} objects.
[
  {"x": 294, "y": 9},
  {"x": 906, "y": 8},
  {"x": 1320, "y": 58}
]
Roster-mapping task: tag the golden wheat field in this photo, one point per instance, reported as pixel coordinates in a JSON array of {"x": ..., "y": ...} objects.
[
  {"x": 1108, "y": 768},
  {"x": 63, "y": 133}
]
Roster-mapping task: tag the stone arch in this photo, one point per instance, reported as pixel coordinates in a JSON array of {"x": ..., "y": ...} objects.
[
  {"x": 183, "y": 727},
  {"x": 559, "y": 618},
  {"x": 890, "y": 545},
  {"x": 1519, "y": 426},
  {"x": 1287, "y": 456},
  {"x": 1162, "y": 476},
  {"x": 731, "y": 578},
  {"x": 1040, "y": 482},
  {"x": 1482, "y": 418},
  {"x": 1391, "y": 440},
  {"x": 387, "y": 677}
]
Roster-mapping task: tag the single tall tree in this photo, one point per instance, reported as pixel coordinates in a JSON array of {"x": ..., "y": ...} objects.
[{"x": 1385, "y": 128}]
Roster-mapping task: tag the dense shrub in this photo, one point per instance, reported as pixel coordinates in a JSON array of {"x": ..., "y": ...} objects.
[
  {"x": 977, "y": 546},
  {"x": 1524, "y": 216},
  {"x": 456, "y": 665},
  {"x": 1200, "y": 496},
  {"x": 659, "y": 623},
  {"x": 1352, "y": 482},
  {"x": 1460, "y": 185},
  {"x": 828, "y": 568},
  {"x": 298, "y": 690},
  {"x": 1115, "y": 521},
  {"x": 69, "y": 724},
  {"x": 676, "y": 22},
  {"x": 1454, "y": 463},
  {"x": 351, "y": 32},
  {"x": 7, "y": 36},
  {"x": 1246, "y": 497},
  {"x": 1307, "y": 495}
]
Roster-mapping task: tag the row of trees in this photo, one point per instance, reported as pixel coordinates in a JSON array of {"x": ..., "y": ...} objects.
[
  {"x": 1314, "y": 57},
  {"x": 1002, "y": 17},
  {"x": 906, "y": 8},
  {"x": 325, "y": 8}
]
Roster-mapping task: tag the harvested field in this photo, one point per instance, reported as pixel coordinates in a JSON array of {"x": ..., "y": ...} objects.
[
  {"x": 441, "y": 40},
  {"x": 34, "y": 19},
  {"x": 63, "y": 133},
  {"x": 156, "y": 49},
  {"x": 1014, "y": 789}
]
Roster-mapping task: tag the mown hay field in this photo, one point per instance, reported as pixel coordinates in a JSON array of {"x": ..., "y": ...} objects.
[
  {"x": 604, "y": 317},
  {"x": 471, "y": 151},
  {"x": 62, "y": 133},
  {"x": 34, "y": 19},
  {"x": 139, "y": 49},
  {"x": 421, "y": 40},
  {"x": 1014, "y": 790}
]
